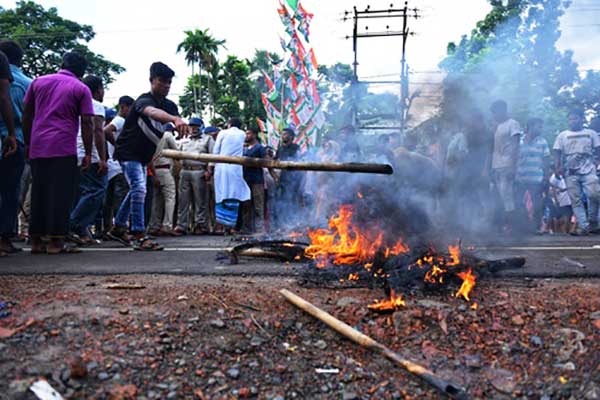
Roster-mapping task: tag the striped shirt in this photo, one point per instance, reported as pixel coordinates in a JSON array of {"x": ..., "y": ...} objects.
[{"x": 530, "y": 168}]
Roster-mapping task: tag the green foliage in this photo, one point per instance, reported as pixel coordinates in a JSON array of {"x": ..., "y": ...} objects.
[
  {"x": 511, "y": 55},
  {"x": 45, "y": 37}
]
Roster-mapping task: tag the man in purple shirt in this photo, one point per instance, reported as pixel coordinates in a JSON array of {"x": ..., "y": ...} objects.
[{"x": 54, "y": 105}]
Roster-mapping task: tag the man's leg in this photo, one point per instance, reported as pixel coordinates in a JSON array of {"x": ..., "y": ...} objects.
[
  {"x": 591, "y": 188},
  {"x": 576, "y": 196},
  {"x": 149, "y": 187},
  {"x": 168, "y": 190},
  {"x": 258, "y": 201},
  {"x": 124, "y": 212},
  {"x": 158, "y": 207},
  {"x": 200, "y": 199},
  {"x": 92, "y": 188},
  {"x": 109, "y": 199},
  {"x": 506, "y": 189},
  {"x": 11, "y": 169},
  {"x": 136, "y": 175},
  {"x": 185, "y": 193}
]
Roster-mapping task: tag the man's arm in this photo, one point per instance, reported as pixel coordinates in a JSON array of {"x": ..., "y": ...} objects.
[
  {"x": 109, "y": 133},
  {"x": 6, "y": 111},
  {"x": 100, "y": 143},
  {"x": 87, "y": 136},
  {"x": 558, "y": 167},
  {"x": 164, "y": 117}
]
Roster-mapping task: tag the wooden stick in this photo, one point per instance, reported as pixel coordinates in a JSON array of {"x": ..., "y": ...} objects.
[
  {"x": 449, "y": 389},
  {"x": 276, "y": 164}
]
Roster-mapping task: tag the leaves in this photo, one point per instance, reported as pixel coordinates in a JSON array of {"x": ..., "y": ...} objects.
[{"x": 46, "y": 37}]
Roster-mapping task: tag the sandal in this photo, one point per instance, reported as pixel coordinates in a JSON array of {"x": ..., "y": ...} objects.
[
  {"x": 64, "y": 250},
  {"x": 119, "y": 235},
  {"x": 146, "y": 244}
]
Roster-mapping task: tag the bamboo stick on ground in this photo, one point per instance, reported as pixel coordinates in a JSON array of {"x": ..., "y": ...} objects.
[
  {"x": 447, "y": 388},
  {"x": 367, "y": 168}
]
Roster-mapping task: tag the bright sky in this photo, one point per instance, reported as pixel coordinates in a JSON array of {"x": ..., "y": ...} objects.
[{"x": 135, "y": 34}]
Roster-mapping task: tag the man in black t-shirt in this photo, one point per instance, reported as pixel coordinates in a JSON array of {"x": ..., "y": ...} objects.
[
  {"x": 6, "y": 111},
  {"x": 253, "y": 214},
  {"x": 289, "y": 188},
  {"x": 144, "y": 127}
]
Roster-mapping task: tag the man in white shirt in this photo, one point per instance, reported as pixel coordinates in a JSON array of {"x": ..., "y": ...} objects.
[
  {"x": 576, "y": 152},
  {"x": 117, "y": 184},
  {"x": 93, "y": 179},
  {"x": 230, "y": 186},
  {"x": 505, "y": 157}
]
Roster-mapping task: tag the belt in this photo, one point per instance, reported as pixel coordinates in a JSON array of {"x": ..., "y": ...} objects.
[
  {"x": 193, "y": 168},
  {"x": 167, "y": 166}
]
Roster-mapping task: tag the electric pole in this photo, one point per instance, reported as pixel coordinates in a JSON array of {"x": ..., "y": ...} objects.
[{"x": 404, "y": 13}]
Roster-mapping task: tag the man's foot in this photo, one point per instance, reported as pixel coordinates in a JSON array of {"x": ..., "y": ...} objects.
[
  {"x": 594, "y": 228},
  {"x": 178, "y": 232},
  {"x": 6, "y": 246},
  {"x": 199, "y": 230},
  {"x": 580, "y": 232},
  {"x": 120, "y": 235},
  {"x": 146, "y": 244},
  {"x": 37, "y": 246}
]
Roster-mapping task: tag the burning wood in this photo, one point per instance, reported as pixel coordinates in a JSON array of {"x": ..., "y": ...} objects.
[
  {"x": 279, "y": 249},
  {"x": 366, "y": 255},
  {"x": 367, "y": 168}
]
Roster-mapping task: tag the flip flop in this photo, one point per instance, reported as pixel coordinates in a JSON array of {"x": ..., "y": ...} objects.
[
  {"x": 64, "y": 250},
  {"x": 146, "y": 244},
  {"x": 119, "y": 238}
]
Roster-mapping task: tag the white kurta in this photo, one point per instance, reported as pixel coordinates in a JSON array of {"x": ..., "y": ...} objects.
[{"x": 229, "y": 178}]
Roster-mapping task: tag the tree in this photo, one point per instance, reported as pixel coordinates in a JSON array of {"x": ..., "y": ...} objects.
[
  {"x": 46, "y": 37},
  {"x": 511, "y": 54},
  {"x": 200, "y": 47}
]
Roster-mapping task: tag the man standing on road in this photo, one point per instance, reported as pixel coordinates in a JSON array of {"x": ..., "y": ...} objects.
[
  {"x": 117, "y": 184},
  {"x": 289, "y": 186},
  {"x": 575, "y": 151},
  {"x": 92, "y": 180},
  {"x": 193, "y": 182},
  {"x": 11, "y": 166},
  {"x": 144, "y": 127},
  {"x": 163, "y": 195},
  {"x": 253, "y": 212},
  {"x": 230, "y": 187},
  {"x": 504, "y": 159},
  {"x": 54, "y": 105}
]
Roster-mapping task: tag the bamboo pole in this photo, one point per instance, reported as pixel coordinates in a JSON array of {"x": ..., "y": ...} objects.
[
  {"x": 449, "y": 389},
  {"x": 276, "y": 164}
]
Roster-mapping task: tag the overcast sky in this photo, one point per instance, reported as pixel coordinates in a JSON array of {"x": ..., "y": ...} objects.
[{"x": 137, "y": 33}]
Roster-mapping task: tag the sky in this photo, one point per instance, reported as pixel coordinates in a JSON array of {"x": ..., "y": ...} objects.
[{"x": 135, "y": 34}]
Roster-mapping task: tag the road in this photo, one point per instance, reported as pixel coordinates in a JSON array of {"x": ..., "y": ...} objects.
[{"x": 547, "y": 256}]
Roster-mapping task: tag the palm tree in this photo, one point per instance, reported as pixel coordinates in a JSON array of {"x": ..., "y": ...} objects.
[{"x": 202, "y": 48}]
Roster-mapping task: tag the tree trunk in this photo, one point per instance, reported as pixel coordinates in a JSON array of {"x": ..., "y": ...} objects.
[
  {"x": 200, "y": 87},
  {"x": 194, "y": 91}
]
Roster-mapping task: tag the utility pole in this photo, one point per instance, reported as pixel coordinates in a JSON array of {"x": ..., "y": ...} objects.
[{"x": 404, "y": 13}]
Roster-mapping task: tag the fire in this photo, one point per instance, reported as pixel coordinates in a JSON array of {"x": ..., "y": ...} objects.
[
  {"x": 467, "y": 285},
  {"x": 474, "y": 306},
  {"x": 344, "y": 243},
  {"x": 392, "y": 304},
  {"x": 454, "y": 255}
]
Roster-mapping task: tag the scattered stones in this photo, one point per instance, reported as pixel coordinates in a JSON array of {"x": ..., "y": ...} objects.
[
  {"x": 347, "y": 395},
  {"x": 320, "y": 344},
  {"x": 103, "y": 376},
  {"x": 233, "y": 373},
  {"x": 124, "y": 311},
  {"x": 346, "y": 301},
  {"x": 473, "y": 361},
  {"x": 517, "y": 320},
  {"x": 217, "y": 323},
  {"x": 536, "y": 341}
]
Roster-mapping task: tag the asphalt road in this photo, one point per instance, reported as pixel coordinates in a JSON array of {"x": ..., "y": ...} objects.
[{"x": 547, "y": 256}]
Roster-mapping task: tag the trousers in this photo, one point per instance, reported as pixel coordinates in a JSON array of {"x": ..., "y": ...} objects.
[
  {"x": 192, "y": 191},
  {"x": 163, "y": 203}
]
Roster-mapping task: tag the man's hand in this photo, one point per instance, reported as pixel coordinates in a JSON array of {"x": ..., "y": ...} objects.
[
  {"x": 102, "y": 168},
  {"x": 182, "y": 127},
  {"x": 9, "y": 146},
  {"x": 86, "y": 161}
]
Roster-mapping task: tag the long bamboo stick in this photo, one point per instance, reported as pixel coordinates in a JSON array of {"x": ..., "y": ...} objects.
[
  {"x": 451, "y": 390},
  {"x": 367, "y": 168}
]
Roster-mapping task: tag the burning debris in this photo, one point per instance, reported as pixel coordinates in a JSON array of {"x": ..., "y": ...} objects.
[{"x": 349, "y": 252}]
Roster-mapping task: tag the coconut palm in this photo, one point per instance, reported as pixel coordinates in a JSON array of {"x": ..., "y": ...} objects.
[{"x": 202, "y": 48}]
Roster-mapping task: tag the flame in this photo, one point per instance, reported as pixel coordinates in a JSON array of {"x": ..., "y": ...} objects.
[
  {"x": 467, "y": 285},
  {"x": 435, "y": 274},
  {"x": 392, "y": 304},
  {"x": 474, "y": 306},
  {"x": 344, "y": 243},
  {"x": 454, "y": 255}
]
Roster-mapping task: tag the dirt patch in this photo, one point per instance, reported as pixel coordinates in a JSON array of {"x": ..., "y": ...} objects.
[{"x": 209, "y": 337}]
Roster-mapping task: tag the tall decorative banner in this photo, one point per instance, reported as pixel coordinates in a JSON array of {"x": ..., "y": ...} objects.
[{"x": 292, "y": 99}]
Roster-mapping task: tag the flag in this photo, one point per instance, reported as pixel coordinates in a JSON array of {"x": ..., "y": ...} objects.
[
  {"x": 293, "y": 4},
  {"x": 261, "y": 125},
  {"x": 304, "y": 18}
]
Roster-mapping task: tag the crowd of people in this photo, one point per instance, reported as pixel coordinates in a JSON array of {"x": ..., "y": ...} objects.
[
  {"x": 538, "y": 188},
  {"x": 76, "y": 171}
]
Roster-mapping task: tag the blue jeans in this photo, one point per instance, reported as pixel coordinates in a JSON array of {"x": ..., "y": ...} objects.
[
  {"x": 11, "y": 169},
  {"x": 577, "y": 186},
  {"x": 91, "y": 190},
  {"x": 133, "y": 204}
]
